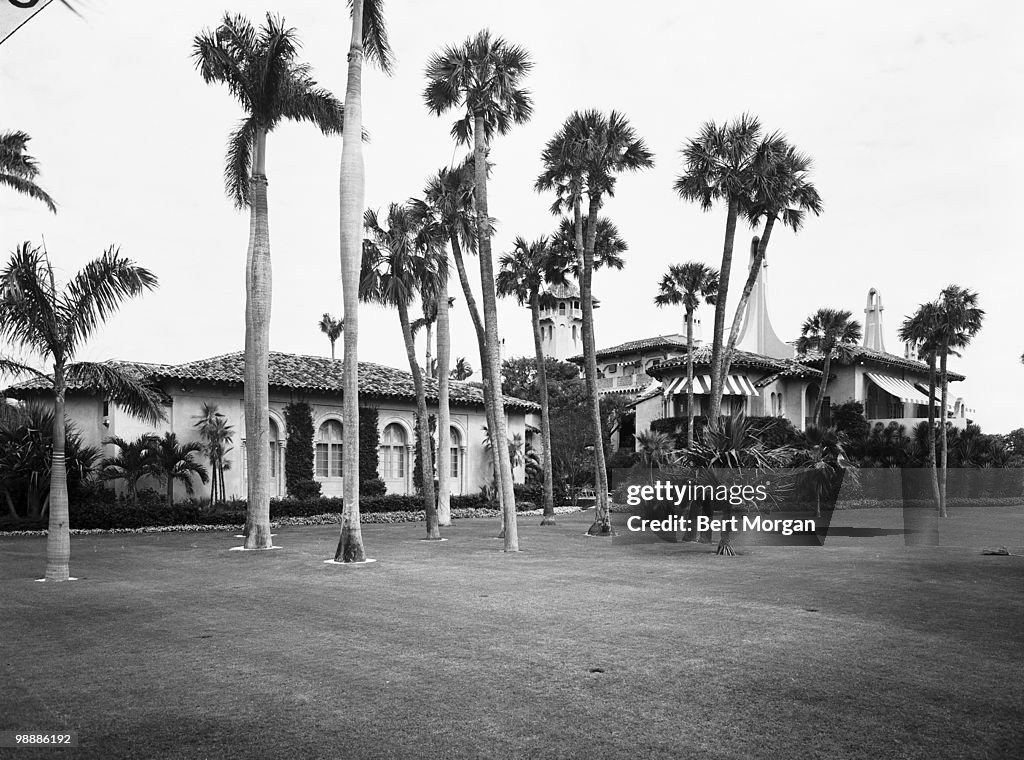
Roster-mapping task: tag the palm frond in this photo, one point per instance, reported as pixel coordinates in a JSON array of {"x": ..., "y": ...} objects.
[
  {"x": 376, "y": 45},
  {"x": 120, "y": 386}
]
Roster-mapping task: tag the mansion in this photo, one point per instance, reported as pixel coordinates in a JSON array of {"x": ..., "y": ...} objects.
[
  {"x": 317, "y": 381},
  {"x": 766, "y": 376}
]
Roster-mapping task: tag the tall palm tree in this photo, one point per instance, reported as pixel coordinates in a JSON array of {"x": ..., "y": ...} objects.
[
  {"x": 586, "y": 155},
  {"x": 368, "y": 39},
  {"x": 524, "y": 273},
  {"x": 18, "y": 170},
  {"x": 55, "y": 324},
  {"x": 722, "y": 164},
  {"x": 959, "y": 320},
  {"x": 133, "y": 462},
  {"x": 260, "y": 68},
  {"x": 783, "y": 192},
  {"x": 332, "y": 328},
  {"x": 608, "y": 244},
  {"x": 921, "y": 330},
  {"x": 828, "y": 331},
  {"x": 688, "y": 284},
  {"x": 172, "y": 462},
  {"x": 484, "y": 76},
  {"x": 396, "y": 261},
  {"x": 462, "y": 370},
  {"x": 216, "y": 434},
  {"x": 449, "y": 202}
]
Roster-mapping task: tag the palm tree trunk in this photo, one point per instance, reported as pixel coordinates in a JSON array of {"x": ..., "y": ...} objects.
[
  {"x": 689, "y": 378},
  {"x": 257, "y": 356},
  {"x": 944, "y": 379},
  {"x": 170, "y": 491},
  {"x": 478, "y": 325},
  {"x": 545, "y": 414},
  {"x": 602, "y": 525},
  {"x": 332, "y": 359},
  {"x": 820, "y": 401},
  {"x": 429, "y": 354},
  {"x": 717, "y": 379},
  {"x": 500, "y": 432},
  {"x": 423, "y": 424},
  {"x": 931, "y": 461},
  {"x": 352, "y": 189},
  {"x": 760, "y": 247},
  {"x": 58, "y": 534},
  {"x": 444, "y": 443}
]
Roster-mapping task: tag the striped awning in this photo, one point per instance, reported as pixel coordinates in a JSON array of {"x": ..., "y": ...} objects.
[
  {"x": 735, "y": 385},
  {"x": 936, "y": 400},
  {"x": 899, "y": 388}
]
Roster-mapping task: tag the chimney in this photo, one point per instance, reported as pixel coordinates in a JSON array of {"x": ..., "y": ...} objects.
[{"x": 873, "y": 338}]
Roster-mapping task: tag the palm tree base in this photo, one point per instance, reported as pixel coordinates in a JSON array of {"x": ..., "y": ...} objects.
[
  {"x": 253, "y": 548},
  {"x": 602, "y": 529},
  {"x": 547, "y": 520},
  {"x": 725, "y": 548},
  {"x": 56, "y": 580},
  {"x": 433, "y": 539},
  {"x": 350, "y": 563}
]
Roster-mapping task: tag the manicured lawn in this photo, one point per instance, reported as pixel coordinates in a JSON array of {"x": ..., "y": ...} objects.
[{"x": 172, "y": 646}]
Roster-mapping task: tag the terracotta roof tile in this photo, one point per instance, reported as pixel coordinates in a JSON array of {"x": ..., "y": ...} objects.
[{"x": 862, "y": 353}]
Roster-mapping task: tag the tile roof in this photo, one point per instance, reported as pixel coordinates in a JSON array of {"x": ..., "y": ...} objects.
[
  {"x": 634, "y": 346},
  {"x": 140, "y": 370},
  {"x": 702, "y": 356},
  {"x": 310, "y": 373},
  {"x": 873, "y": 356}
]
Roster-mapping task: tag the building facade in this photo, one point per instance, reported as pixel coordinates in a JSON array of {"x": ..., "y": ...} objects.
[{"x": 317, "y": 381}]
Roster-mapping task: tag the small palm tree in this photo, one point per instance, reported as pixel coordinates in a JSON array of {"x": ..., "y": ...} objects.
[
  {"x": 368, "y": 39},
  {"x": 216, "y": 434},
  {"x": 823, "y": 457},
  {"x": 828, "y": 331},
  {"x": 172, "y": 461},
  {"x": 462, "y": 370},
  {"x": 959, "y": 320},
  {"x": 484, "y": 77},
  {"x": 524, "y": 273},
  {"x": 688, "y": 284},
  {"x": 55, "y": 324},
  {"x": 921, "y": 330},
  {"x": 133, "y": 462},
  {"x": 260, "y": 68},
  {"x": 396, "y": 261},
  {"x": 18, "y": 170},
  {"x": 586, "y": 155},
  {"x": 332, "y": 328},
  {"x": 654, "y": 448},
  {"x": 722, "y": 164}
]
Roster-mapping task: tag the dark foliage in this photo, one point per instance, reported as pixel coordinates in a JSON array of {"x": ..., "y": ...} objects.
[
  {"x": 369, "y": 442},
  {"x": 298, "y": 458}
]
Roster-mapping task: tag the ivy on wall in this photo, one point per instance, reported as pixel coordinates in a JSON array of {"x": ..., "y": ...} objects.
[{"x": 298, "y": 457}]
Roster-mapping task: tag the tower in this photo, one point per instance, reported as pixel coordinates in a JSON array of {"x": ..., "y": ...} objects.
[
  {"x": 561, "y": 322},
  {"x": 757, "y": 334},
  {"x": 873, "y": 337}
]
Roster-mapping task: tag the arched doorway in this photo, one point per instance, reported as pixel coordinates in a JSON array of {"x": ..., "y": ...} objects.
[
  {"x": 393, "y": 461},
  {"x": 458, "y": 455}
]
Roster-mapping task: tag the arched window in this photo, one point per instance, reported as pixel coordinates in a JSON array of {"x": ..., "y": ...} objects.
[
  {"x": 456, "y": 444},
  {"x": 392, "y": 452},
  {"x": 574, "y": 332},
  {"x": 576, "y": 305},
  {"x": 274, "y": 448},
  {"x": 561, "y": 308},
  {"x": 328, "y": 450}
]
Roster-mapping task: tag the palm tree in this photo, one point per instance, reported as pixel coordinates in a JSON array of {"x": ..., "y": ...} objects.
[
  {"x": 688, "y": 284},
  {"x": 654, "y": 448},
  {"x": 959, "y": 320},
  {"x": 462, "y": 370},
  {"x": 921, "y": 329},
  {"x": 18, "y": 170},
  {"x": 782, "y": 191},
  {"x": 332, "y": 328},
  {"x": 216, "y": 434},
  {"x": 524, "y": 273},
  {"x": 827, "y": 331},
  {"x": 369, "y": 39},
  {"x": 396, "y": 261},
  {"x": 260, "y": 68},
  {"x": 722, "y": 163},
  {"x": 55, "y": 324},
  {"x": 587, "y": 154},
  {"x": 449, "y": 204},
  {"x": 172, "y": 461},
  {"x": 133, "y": 462},
  {"x": 608, "y": 245},
  {"x": 484, "y": 76}
]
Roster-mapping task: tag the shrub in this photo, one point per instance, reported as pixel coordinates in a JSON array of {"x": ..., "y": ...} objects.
[
  {"x": 304, "y": 489},
  {"x": 369, "y": 443},
  {"x": 298, "y": 457},
  {"x": 373, "y": 487}
]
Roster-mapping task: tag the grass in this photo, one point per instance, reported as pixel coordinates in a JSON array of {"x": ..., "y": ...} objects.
[{"x": 172, "y": 646}]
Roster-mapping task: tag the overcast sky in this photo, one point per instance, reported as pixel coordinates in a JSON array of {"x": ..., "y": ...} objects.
[{"x": 911, "y": 111}]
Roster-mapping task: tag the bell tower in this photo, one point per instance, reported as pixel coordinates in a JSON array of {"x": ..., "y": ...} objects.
[
  {"x": 873, "y": 337},
  {"x": 561, "y": 321}
]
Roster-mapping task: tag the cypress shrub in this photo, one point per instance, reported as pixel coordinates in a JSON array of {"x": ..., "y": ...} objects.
[{"x": 298, "y": 458}]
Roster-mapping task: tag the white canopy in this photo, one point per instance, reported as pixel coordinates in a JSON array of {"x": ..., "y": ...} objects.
[
  {"x": 735, "y": 385},
  {"x": 901, "y": 389}
]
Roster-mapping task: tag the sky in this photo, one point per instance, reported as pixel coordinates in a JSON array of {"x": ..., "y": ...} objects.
[{"x": 911, "y": 112}]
